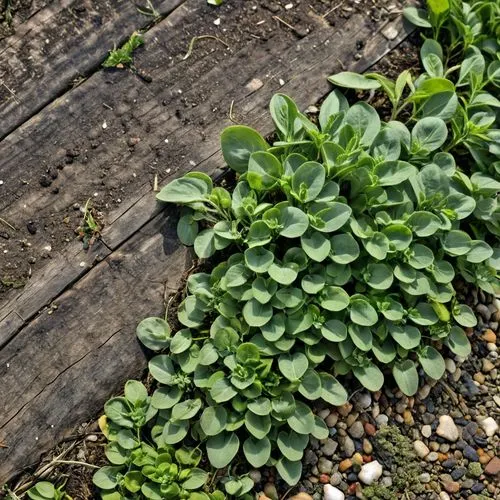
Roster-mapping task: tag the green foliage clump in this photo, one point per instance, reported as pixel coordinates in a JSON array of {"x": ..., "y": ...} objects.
[
  {"x": 44, "y": 490},
  {"x": 475, "y": 469},
  {"x": 124, "y": 55},
  {"x": 143, "y": 464},
  {"x": 340, "y": 244}
]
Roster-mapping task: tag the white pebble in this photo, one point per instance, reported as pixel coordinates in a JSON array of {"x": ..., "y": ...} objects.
[
  {"x": 104, "y": 125},
  {"x": 489, "y": 426},
  {"x": 1, "y": 183},
  {"x": 421, "y": 449},
  {"x": 370, "y": 472},
  {"x": 217, "y": 21},
  {"x": 332, "y": 493},
  {"x": 447, "y": 428},
  {"x": 289, "y": 6},
  {"x": 282, "y": 82}
]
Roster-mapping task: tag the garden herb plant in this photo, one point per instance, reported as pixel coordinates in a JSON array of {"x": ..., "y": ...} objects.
[
  {"x": 334, "y": 256},
  {"x": 44, "y": 490},
  {"x": 124, "y": 55}
]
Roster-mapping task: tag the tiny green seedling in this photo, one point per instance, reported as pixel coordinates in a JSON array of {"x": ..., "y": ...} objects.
[
  {"x": 90, "y": 228},
  {"x": 122, "y": 57},
  {"x": 149, "y": 10}
]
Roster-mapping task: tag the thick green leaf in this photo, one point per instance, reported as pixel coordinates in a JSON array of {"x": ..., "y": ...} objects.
[
  {"x": 238, "y": 143},
  {"x": 257, "y": 314},
  {"x": 293, "y": 366},
  {"x": 333, "y": 391},
  {"x": 302, "y": 420},
  {"x": 458, "y": 342},
  {"x": 370, "y": 376},
  {"x": 308, "y": 181},
  {"x": 362, "y": 312},
  {"x": 289, "y": 471},
  {"x": 154, "y": 333},
  {"x": 184, "y": 190},
  {"x": 213, "y": 420},
  {"x": 432, "y": 362},
  {"x": 221, "y": 449},
  {"x": 353, "y": 81},
  {"x": 315, "y": 245},
  {"x": 344, "y": 248},
  {"x": 406, "y": 376},
  {"x": 257, "y": 451}
]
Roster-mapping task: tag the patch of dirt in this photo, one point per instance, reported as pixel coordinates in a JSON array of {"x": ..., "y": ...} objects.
[{"x": 73, "y": 165}]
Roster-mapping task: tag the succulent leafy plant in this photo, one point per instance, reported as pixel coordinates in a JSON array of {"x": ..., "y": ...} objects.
[
  {"x": 45, "y": 490},
  {"x": 341, "y": 241}
]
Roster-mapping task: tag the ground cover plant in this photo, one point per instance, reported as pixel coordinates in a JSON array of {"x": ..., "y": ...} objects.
[{"x": 333, "y": 258}]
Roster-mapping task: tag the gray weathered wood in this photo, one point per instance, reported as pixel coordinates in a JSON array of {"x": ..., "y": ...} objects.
[
  {"x": 59, "y": 45},
  {"x": 69, "y": 360}
]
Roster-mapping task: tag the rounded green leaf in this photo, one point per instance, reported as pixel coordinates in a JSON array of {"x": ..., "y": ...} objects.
[
  {"x": 418, "y": 17},
  {"x": 432, "y": 362},
  {"x": 429, "y": 134},
  {"x": 361, "y": 336},
  {"x": 184, "y": 190},
  {"x": 399, "y": 236},
  {"x": 260, "y": 406},
  {"x": 293, "y": 366},
  {"x": 238, "y": 143},
  {"x": 424, "y": 224},
  {"x": 315, "y": 245},
  {"x": 310, "y": 385},
  {"x": 329, "y": 217},
  {"x": 333, "y": 391},
  {"x": 302, "y": 420},
  {"x": 257, "y": 314},
  {"x": 457, "y": 242},
  {"x": 289, "y": 471},
  {"x": 377, "y": 245},
  {"x": 175, "y": 432},
  {"x": 334, "y": 298},
  {"x": 154, "y": 333},
  {"x": 264, "y": 171},
  {"x": 187, "y": 229},
  {"x": 420, "y": 256},
  {"x": 292, "y": 445},
  {"x": 344, "y": 248},
  {"x": 162, "y": 369},
  {"x": 196, "y": 479},
  {"x": 186, "y": 410},
  {"x": 258, "y": 425},
  {"x": 334, "y": 330},
  {"x": 312, "y": 283},
  {"x": 458, "y": 342},
  {"x": 407, "y": 336},
  {"x": 213, "y": 420},
  {"x": 464, "y": 315},
  {"x": 352, "y": 80},
  {"x": 370, "y": 376},
  {"x": 221, "y": 449},
  {"x": 190, "y": 312},
  {"x": 181, "y": 341},
  {"x": 257, "y": 451},
  {"x": 308, "y": 181},
  {"x": 378, "y": 276},
  {"x": 406, "y": 376},
  {"x": 393, "y": 172},
  {"x": 258, "y": 259},
  {"x": 105, "y": 478},
  {"x": 294, "y": 222},
  {"x": 362, "y": 312}
]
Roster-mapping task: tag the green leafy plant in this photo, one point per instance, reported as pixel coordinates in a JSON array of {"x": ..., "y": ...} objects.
[
  {"x": 44, "y": 490},
  {"x": 461, "y": 78},
  {"x": 124, "y": 55},
  {"x": 146, "y": 468},
  {"x": 333, "y": 257}
]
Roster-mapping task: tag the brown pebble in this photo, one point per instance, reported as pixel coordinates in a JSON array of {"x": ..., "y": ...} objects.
[
  {"x": 367, "y": 459},
  {"x": 493, "y": 467},
  {"x": 408, "y": 418},
  {"x": 452, "y": 487},
  {"x": 370, "y": 429},
  {"x": 324, "y": 478},
  {"x": 489, "y": 336},
  {"x": 345, "y": 464},
  {"x": 352, "y": 489},
  {"x": 442, "y": 457},
  {"x": 345, "y": 409},
  {"x": 479, "y": 378}
]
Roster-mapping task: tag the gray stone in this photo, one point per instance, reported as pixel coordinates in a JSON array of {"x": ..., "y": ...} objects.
[
  {"x": 329, "y": 447},
  {"x": 356, "y": 430},
  {"x": 325, "y": 466}
]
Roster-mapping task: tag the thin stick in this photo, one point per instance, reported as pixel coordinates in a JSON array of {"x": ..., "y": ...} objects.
[
  {"x": 285, "y": 23},
  {"x": 333, "y": 9},
  {"x": 75, "y": 462},
  {"x": 7, "y": 224},
  {"x": 201, "y": 37},
  {"x": 231, "y": 112},
  {"x": 12, "y": 93}
]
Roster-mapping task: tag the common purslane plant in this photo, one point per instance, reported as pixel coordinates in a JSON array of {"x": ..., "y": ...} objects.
[{"x": 45, "y": 490}]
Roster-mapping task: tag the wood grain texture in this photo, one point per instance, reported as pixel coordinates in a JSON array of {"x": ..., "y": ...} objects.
[
  {"x": 59, "y": 45},
  {"x": 69, "y": 360}
]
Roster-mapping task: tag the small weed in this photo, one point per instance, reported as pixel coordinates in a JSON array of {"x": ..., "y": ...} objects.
[
  {"x": 121, "y": 57},
  {"x": 149, "y": 10},
  {"x": 90, "y": 228}
]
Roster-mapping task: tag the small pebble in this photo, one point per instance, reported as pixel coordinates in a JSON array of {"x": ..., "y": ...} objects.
[
  {"x": 489, "y": 426},
  {"x": 332, "y": 493},
  {"x": 447, "y": 428},
  {"x": 370, "y": 472}
]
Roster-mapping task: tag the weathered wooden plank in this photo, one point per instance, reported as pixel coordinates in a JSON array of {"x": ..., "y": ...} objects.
[
  {"x": 154, "y": 113},
  {"x": 66, "y": 364},
  {"x": 59, "y": 45},
  {"x": 62, "y": 270}
]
